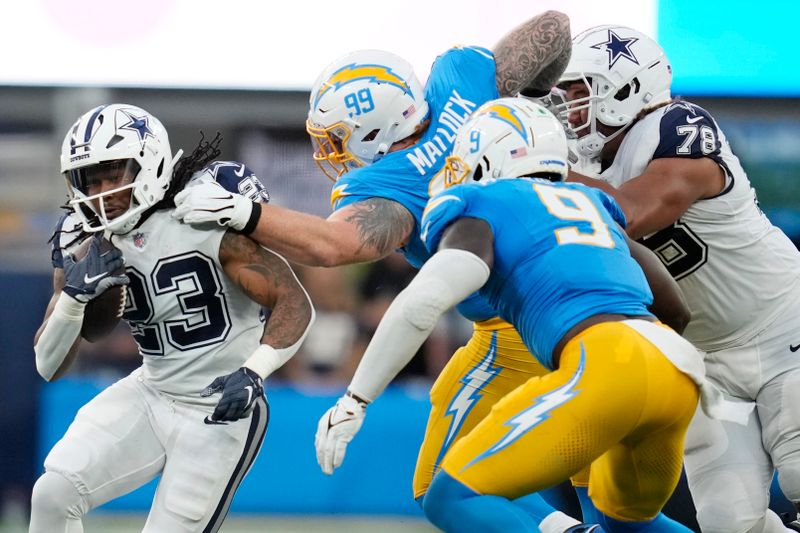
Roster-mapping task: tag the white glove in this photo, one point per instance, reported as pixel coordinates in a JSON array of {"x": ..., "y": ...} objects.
[
  {"x": 336, "y": 429},
  {"x": 209, "y": 202}
]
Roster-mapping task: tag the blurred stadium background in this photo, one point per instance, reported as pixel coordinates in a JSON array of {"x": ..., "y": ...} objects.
[{"x": 244, "y": 68}]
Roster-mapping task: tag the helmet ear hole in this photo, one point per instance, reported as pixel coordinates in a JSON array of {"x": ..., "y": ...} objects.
[
  {"x": 623, "y": 93},
  {"x": 371, "y": 135},
  {"x": 478, "y": 175}
]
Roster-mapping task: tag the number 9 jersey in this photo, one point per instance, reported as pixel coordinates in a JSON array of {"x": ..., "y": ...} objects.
[
  {"x": 541, "y": 231},
  {"x": 732, "y": 264}
]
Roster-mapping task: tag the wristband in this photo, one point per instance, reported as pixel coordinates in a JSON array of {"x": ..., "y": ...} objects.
[
  {"x": 265, "y": 360},
  {"x": 252, "y": 222},
  {"x": 68, "y": 308},
  {"x": 357, "y": 398}
]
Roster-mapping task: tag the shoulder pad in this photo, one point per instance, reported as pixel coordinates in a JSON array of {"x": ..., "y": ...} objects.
[
  {"x": 687, "y": 130},
  {"x": 235, "y": 177},
  {"x": 441, "y": 210}
]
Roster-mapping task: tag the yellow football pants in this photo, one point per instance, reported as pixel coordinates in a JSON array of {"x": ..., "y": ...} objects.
[
  {"x": 493, "y": 363},
  {"x": 615, "y": 402}
]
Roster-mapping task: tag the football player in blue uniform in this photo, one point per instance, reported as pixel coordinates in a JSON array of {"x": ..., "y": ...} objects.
[
  {"x": 554, "y": 261},
  {"x": 384, "y": 139},
  {"x": 685, "y": 194}
]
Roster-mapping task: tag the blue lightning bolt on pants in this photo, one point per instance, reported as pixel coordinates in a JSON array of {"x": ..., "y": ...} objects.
[{"x": 604, "y": 406}]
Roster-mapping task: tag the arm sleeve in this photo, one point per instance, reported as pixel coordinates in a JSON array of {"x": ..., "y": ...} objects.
[
  {"x": 447, "y": 278},
  {"x": 62, "y": 328}
]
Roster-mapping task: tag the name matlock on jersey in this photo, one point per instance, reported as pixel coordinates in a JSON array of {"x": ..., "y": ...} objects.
[{"x": 453, "y": 115}]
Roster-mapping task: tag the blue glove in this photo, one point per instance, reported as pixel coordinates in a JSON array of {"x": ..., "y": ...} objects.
[
  {"x": 97, "y": 271},
  {"x": 239, "y": 389}
]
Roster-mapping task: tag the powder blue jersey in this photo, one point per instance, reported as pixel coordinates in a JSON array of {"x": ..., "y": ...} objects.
[
  {"x": 559, "y": 254},
  {"x": 461, "y": 80}
]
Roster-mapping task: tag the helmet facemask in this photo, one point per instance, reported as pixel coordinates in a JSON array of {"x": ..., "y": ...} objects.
[
  {"x": 360, "y": 106},
  {"x": 588, "y": 137},
  {"x": 108, "y": 151}
]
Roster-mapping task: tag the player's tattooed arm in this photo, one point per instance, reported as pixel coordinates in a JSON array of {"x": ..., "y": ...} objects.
[
  {"x": 534, "y": 55},
  {"x": 361, "y": 232},
  {"x": 269, "y": 281},
  {"x": 379, "y": 226}
]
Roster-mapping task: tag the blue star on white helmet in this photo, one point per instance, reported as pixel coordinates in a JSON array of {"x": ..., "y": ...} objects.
[
  {"x": 617, "y": 47},
  {"x": 141, "y": 125}
]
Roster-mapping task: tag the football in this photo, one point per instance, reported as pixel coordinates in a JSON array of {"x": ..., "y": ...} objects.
[{"x": 102, "y": 314}]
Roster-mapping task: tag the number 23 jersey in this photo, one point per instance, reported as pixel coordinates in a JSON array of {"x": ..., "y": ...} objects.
[
  {"x": 737, "y": 271},
  {"x": 190, "y": 321}
]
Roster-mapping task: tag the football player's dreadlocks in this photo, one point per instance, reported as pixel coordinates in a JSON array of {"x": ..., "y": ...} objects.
[{"x": 187, "y": 166}]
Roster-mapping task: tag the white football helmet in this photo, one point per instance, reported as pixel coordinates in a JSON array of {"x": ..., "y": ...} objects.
[
  {"x": 508, "y": 138},
  {"x": 360, "y": 105},
  {"x": 625, "y": 72},
  {"x": 123, "y": 140}
]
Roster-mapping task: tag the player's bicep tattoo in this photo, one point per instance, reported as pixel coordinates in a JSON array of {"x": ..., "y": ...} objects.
[
  {"x": 383, "y": 225},
  {"x": 534, "y": 55},
  {"x": 267, "y": 279}
]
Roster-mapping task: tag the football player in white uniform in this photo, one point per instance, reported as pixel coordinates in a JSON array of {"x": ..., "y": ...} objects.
[
  {"x": 194, "y": 412},
  {"x": 686, "y": 196}
]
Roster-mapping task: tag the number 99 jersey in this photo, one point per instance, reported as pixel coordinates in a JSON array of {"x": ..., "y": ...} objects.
[
  {"x": 559, "y": 254},
  {"x": 734, "y": 267}
]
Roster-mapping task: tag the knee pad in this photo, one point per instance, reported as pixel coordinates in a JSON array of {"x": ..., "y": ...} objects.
[
  {"x": 55, "y": 495},
  {"x": 729, "y": 519}
]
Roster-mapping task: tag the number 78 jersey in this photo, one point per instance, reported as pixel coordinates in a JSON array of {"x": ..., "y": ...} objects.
[
  {"x": 559, "y": 254},
  {"x": 735, "y": 268}
]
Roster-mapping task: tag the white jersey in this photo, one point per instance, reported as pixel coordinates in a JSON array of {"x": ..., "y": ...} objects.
[
  {"x": 192, "y": 324},
  {"x": 737, "y": 271}
]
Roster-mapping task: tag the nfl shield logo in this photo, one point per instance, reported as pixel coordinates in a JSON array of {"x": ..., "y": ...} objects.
[{"x": 139, "y": 240}]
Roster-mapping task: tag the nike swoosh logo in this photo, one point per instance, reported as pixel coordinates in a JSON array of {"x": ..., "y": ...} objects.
[
  {"x": 794, "y": 348},
  {"x": 87, "y": 279},
  {"x": 693, "y": 119},
  {"x": 211, "y": 422},
  {"x": 239, "y": 173},
  {"x": 249, "y": 390},
  {"x": 332, "y": 424}
]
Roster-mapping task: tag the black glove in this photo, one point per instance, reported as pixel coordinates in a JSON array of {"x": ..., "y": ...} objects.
[
  {"x": 239, "y": 389},
  {"x": 98, "y": 270}
]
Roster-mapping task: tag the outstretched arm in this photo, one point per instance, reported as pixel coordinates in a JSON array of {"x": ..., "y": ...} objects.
[
  {"x": 363, "y": 231},
  {"x": 662, "y": 193},
  {"x": 533, "y": 56},
  {"x": 459, "y": 268},
  {"x": 360, "y": 232}
]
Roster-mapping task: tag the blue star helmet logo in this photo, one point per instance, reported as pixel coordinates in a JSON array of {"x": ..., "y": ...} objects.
[
  {"x": 140, "y": 125},
  {"x": 617, "y": 47}
]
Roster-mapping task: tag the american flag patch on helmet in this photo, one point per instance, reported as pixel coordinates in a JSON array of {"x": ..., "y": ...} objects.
[
  {"x": 410, "y": 111},
  {"x": 518, "y": 152}
]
